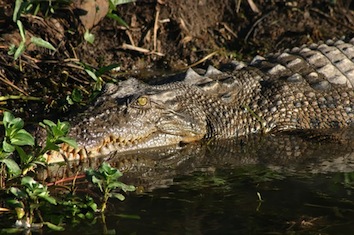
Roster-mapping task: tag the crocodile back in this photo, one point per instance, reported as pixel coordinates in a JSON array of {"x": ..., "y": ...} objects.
[
  {"x": 307, "y": 87},
  {"x": 318, "y": 64}
]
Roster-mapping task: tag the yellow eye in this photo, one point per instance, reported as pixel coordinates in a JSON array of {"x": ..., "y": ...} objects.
[{"x": 142, "y": 101}]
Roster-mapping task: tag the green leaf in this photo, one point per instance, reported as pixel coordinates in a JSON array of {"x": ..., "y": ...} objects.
[
  {"x": 91, "y": 74},
  {"x": 128, "y": 188},
  {"x": 22, "y": 137},
  {"x": 49, "y": 199},
  {"x": 89, "y": 215},
  {"x": 118, "y": 196},
  {"x": 105, "y": 69},
  {"x": 99, "y": 182},
  {"x": 54, "y": 227},
  {"x": 8, "y": 117},
  {"x": 17, "y": 192},
  {"x": 69, "y": 141},
  {"x": 119, "y": 20},
  {"x": 51, "y": 146},
  {"x": 17, "y": 123},
  {"x": 12, "y": 166},
  {"x": 92, "y": 205},
  {"x": 22, "y": 30},
  {"x": 28, "y": 182},
  {"x": 12, "y": 49},
  {"x": 89, "y": 37},
  {"x": 7, "y": 147},
  {"x": 42, "y": 43},
  {"x": 57, "y": 131},
  {"x": 14, "y": 202},
  {"x": 119, "y": 2},
  {"x": 64, "y": 127},
  {"x": 76, "y": 95},
  {"x": 21, "y": 48},
  {"x": 23, "y": 156},
  {"x": 17, "y": 12},
  {"x": 48, "y": 123}
]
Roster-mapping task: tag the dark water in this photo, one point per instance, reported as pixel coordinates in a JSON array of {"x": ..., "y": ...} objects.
[
  {"x": 226, "y": 202},
  {"x": 283, "y": 184},
  {"x": 280, "y": 184}
]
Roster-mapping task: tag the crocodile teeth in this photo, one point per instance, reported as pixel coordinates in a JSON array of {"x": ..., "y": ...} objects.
[
  {"x": 82, "y": 154},
  {"x": 111, "y": 147},
  {"x": 104, "y": 150}
]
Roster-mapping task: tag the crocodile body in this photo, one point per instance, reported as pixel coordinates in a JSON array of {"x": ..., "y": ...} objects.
[{"x": 308, "y": 87}]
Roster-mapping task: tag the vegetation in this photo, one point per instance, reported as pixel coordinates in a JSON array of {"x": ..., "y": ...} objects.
[{"x": 31, "y": 201}]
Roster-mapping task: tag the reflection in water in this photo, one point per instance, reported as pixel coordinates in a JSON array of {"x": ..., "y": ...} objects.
[
  {"x": 303, "y": 179},
  {"x": 311, "y": 152}
]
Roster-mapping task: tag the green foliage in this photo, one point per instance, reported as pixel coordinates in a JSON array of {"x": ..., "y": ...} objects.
[
  {"x": 32, "y": 7},
  {"x": 113, "y": 7},
  {"x": 28, "y": 199},
  {"x": 89, "y": 37},
  {"x": 75, "y": 97},
  {"x": 107, "y": 180},
  {"x": 96, "y": 74},
  {"x": 15, "y": 138},
  {"x": 78, "y": 209},
  {"x": 56, "y": 134}
]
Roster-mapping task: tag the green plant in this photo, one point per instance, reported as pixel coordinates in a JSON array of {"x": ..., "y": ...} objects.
[
  {"x": 113, "y": 7},
  {"x": 96, "y": 74},
  {"x": 107, "y": 180},
  {"x": 78, "y": 209},
  {"x": 16, "y": 138},
  {"x": 56, "y": 134},
  {"x": 28, "y": 199},
  {"x": 27, "y": 7}
]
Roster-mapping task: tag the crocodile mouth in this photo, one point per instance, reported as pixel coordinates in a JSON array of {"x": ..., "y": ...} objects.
[{"x": 111, "y": 144}]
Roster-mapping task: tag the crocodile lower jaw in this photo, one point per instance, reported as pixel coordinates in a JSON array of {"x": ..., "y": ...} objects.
[{"x": 111, "y": 145}]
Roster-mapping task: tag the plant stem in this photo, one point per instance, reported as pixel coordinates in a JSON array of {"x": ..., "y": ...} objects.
[{"x": 19, "y": 97}]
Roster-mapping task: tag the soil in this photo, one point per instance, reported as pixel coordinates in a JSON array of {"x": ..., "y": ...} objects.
[{"x": 158, "y": 36}]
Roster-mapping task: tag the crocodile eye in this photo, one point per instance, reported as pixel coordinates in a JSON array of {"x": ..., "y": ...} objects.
[{"x": 142, "y": 101}]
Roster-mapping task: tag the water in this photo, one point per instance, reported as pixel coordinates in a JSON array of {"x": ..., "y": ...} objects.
[
  {"x": 226, "y": 202},
  {"x": 292, "y": 184},
  {"x": 281, "y": 184}
]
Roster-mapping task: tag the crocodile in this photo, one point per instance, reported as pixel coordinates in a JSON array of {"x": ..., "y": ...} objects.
[{"x": 303, "y": 88}]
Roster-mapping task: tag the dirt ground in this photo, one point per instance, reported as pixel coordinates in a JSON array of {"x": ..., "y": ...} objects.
[{"x": 162, "y": 35}]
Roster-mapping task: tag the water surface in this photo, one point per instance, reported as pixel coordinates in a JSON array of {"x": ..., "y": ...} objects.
[{"x": 282, "y": 184}]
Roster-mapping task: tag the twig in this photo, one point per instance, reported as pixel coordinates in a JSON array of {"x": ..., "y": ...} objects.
[
  {"x": 229, "y": 30},
  {"x": 19, "y": 97},
  {"x": 332, "y": 19},
  {"x": 8, "y": 82},
  {"x": 253, "y": 6},
  {"x": 64, "y": 180},
  {"x": 140, "y": 49},
  {"x": 254, "y": 25},
  {"x": 156, "y": 26},
  {"x": 203, "y": 59},
  {"x": 130, "y": 37}
]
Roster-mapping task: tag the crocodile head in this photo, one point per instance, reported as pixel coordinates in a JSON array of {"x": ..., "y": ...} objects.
[{"x": 133, "y": 115}]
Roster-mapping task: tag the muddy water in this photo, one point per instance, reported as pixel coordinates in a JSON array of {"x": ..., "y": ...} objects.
[{"x": 283, "y": 184}]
